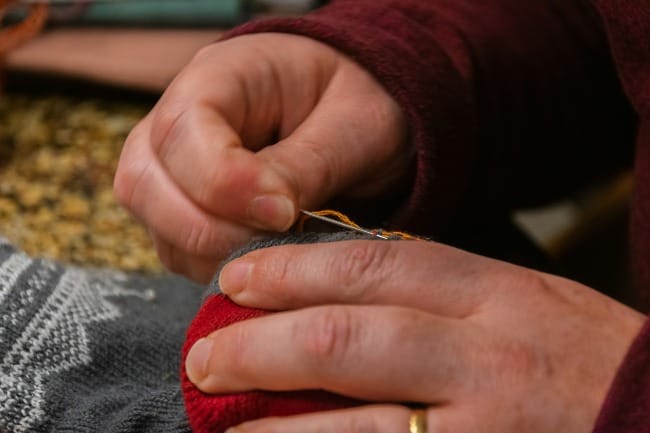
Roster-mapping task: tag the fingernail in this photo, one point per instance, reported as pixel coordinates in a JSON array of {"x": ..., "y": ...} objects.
[
  {"x": 234, "y": 276},
  {"x": 275, "y": 212},
  {"x": 196, "y": 364}
]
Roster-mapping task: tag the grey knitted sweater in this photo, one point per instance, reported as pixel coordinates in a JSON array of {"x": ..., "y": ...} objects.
[{"x": 84, "y": 350}]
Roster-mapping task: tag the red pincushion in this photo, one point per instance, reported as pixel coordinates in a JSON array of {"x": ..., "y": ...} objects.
[{"x": 215, "y": 413}]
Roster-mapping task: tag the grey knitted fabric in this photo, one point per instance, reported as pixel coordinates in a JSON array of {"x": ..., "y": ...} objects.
[{"x": 86, "y": 350}]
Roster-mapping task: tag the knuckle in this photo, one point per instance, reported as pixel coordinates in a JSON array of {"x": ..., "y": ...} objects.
[
  {"x": 229, "y": 174},
  {"x": 235, "y": 350},
  {"x": 212, "y": 187},
  {"x": 357, "y": 423},
  {"x": 198, "y": 241},
  {"x": 131, "y": 182},
  {"x": 362, "y": 265},
  {"x": 273, "y": 273},
  {"x": 129, "y": 173},
  {"x": 166, "y": 122},
  {"x": 325, "y": 162},
  {"x": 516, "y": 362},
  {"x": 524, "y": 282},
  {"x": 203, "y": 54},
  {"x": 329, "y": 336}
]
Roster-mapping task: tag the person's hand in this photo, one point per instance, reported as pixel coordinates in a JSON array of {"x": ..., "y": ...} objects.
[
  {"x": 252, "y": 130},
  {"x": 487, "y": 346}
]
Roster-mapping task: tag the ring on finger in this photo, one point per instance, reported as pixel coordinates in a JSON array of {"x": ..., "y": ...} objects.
[{"x": 418, "y": 421}]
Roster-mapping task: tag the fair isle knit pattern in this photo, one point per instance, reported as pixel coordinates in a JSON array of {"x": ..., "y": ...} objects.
[{"x": 84, "y": 350}]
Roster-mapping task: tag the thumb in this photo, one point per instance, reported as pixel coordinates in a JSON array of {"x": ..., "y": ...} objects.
[
  {"x": 354, "y": 143},
  {"x": 351, "y": 141}
]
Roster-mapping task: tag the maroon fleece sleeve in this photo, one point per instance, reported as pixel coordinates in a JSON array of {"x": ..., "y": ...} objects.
[
  {"x": 510, "y": 102},
  {"x": 627, "y": 407}
]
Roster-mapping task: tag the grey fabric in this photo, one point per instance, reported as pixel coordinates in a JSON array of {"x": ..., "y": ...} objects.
[
  {"x": 84, "y": 350},
  {"x": 87, "y": 350}
]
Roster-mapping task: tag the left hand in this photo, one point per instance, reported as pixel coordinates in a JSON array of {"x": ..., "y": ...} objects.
[{"x": 487, "y": 346}]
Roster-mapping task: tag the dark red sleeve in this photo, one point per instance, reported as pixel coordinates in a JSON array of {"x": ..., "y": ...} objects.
[
  {"x": 627, "y": 407},
  {"x": 510, "y": 102}
]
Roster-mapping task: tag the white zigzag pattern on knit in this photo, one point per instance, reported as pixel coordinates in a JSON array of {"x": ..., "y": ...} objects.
[
  {"x": 10, "y": 271},
  {"x": 54, "y": 340}
]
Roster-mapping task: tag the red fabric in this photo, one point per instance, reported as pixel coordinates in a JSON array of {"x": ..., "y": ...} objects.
[
  {"x": 215, "y": 413},
  {"x": 509, "y": 102},
  {"x": 627, "y": 406}
]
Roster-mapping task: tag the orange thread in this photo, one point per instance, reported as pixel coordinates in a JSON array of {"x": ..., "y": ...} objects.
[{"x": 345, "y": 219}]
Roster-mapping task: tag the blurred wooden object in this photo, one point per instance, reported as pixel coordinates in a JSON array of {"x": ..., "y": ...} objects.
[
  {"x": 599, "y": 211},
  {"x": 144, "y": 59},
  {"x": 586, "y": 237}
]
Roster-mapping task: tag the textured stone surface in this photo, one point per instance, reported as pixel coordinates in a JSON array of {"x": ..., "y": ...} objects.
[{"x": 57, "y": 160}]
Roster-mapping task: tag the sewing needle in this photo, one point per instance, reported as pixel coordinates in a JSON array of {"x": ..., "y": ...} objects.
[{"x": 343, "y": 225}]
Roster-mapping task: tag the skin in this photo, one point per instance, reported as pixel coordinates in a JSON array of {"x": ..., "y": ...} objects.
[
  {"x": 257, "y": 127},
  {"x": 252, "y": 130},
  {"x": 488, "y": 346}
]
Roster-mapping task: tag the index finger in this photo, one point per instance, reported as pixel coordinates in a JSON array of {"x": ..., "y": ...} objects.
[{"x": 424, "y": 275}]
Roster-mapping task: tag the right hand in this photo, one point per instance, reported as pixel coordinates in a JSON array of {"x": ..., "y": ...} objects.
[{"x": 253, "y": 129}]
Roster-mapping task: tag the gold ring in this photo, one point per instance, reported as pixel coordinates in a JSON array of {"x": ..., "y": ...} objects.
[{"x": 418, "y": 421}]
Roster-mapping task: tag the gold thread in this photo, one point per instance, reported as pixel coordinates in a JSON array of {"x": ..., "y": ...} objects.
[{"x": 345, "y": 219}]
